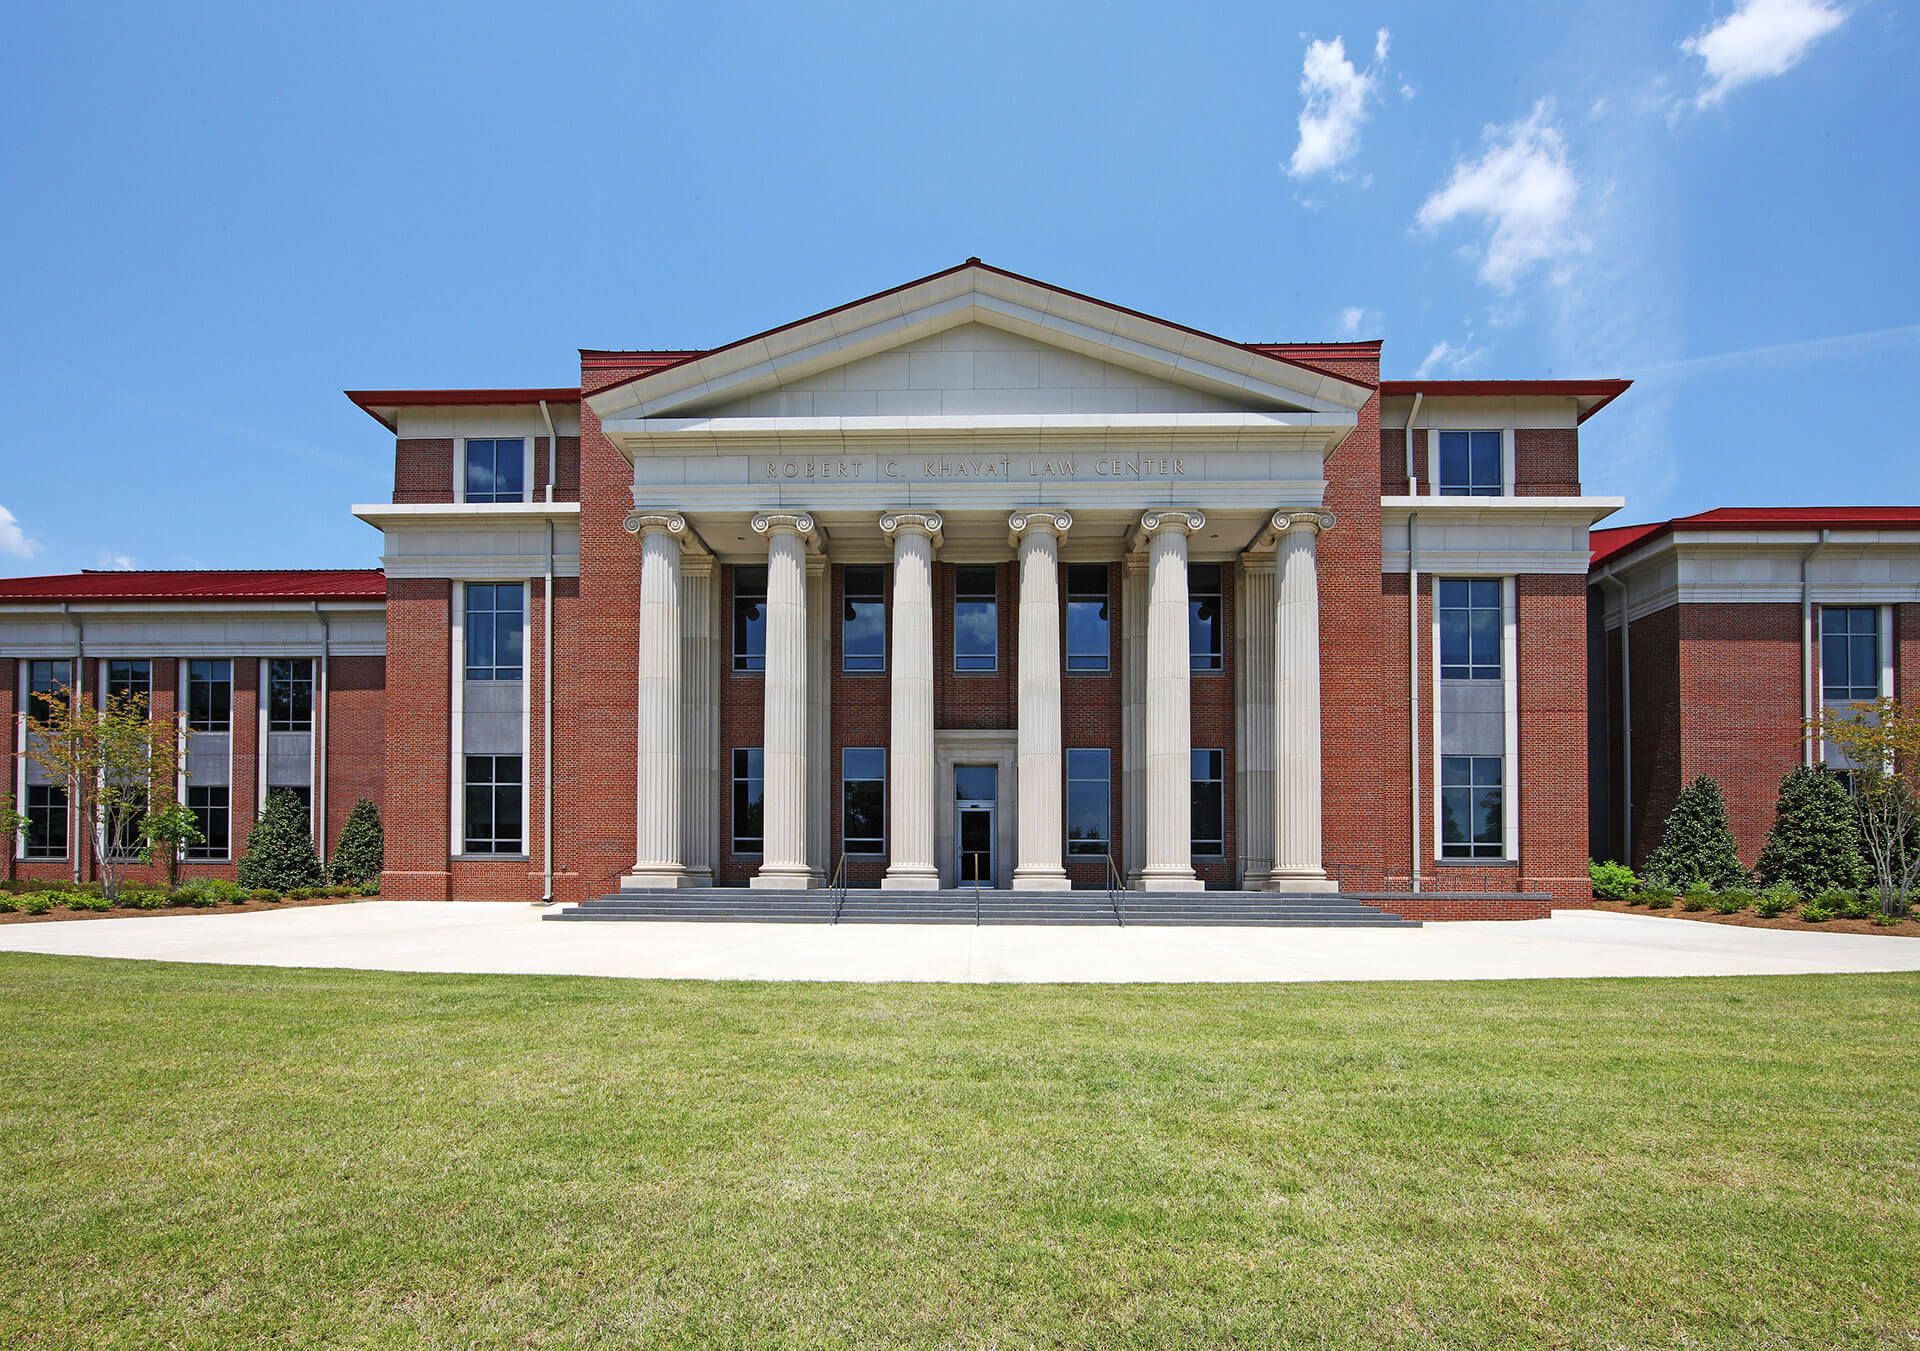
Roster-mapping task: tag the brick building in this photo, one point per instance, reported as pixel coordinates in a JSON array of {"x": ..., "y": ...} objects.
[{"x": 972, "y": 579}]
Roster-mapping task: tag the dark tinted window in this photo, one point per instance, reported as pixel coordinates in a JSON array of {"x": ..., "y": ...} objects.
[
  {"x": 976, "y": 619},
  {"x": 750, "y": 620},
  {"x": 863, "y": 620},
  {"x": 1089, "y": 630},
  {"x": 1470, "y": 628},
  {"x": 1206, "y": 618},
  {"x": 863, "y": 800},
  {"x": 1470, "y": 464}
]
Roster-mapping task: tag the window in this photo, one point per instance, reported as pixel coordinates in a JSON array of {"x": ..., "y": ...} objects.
[
  {"x": 863, "y": 800},
  {"x": 130, "y": 678},
  {"x": 46, "y": 813},
  {"x": 209, "y": 696},
  {"x": 290, "y": 694},
  {"x": 1209, "y": 803},
  {"x": 1089, "y": 803},
  {"x": 1089, "y": 630},
  {"x": 495, "y": 627},
  {"x": 1470, "y": 464},
  {"x": 976, "y": 619},
  {"x": 749, "y": 788},
  {"x": 121, "y": 825},
  {"x": 493, "y": 804},
  {"x": 46, "y": 680},
  {"x": 863, "y": 620},
  {"x": 1471, "y": 820},
  {"x": 750, "y": 619},
  {"x": 1470, "y": 628},
  {"x": 1849, "y": 653},
  {"x": 209, "y": 806},
  {"x": 1206, "y": 618},
  {"x": 497, "y": 470}
]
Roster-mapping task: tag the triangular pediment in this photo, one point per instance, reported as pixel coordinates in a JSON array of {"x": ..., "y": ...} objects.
[{"x": 977, "y": 340}]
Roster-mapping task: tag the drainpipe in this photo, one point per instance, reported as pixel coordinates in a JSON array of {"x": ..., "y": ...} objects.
[
  {"x": 1417, "y": 826},
  {"x": 1808, "y": 739},
  {"x": 1607, "y": 577},
  {"x": 323, "y": 728},
  {"x": 546, "y": 679}
]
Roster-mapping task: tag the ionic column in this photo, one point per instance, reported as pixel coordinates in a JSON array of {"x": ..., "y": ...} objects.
[
  {"x": 1297, "y": 864},
  {"x": 783, "y": 740},
  {"x": 1037, "y": 535},
  {"x": 910, "y": 790},
  {"x": 659, "y": 860},
  {"x": 1169, "y": 718}
]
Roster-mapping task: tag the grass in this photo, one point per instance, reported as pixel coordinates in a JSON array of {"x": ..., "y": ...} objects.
[{"x": 202, "y": 1155}]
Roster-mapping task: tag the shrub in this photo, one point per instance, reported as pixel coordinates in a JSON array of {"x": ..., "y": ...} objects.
[
  {"x": 1696, "y": 897},
  {"x": 1612, "y": 881},
  {"x": 362, "y": 851},
  {"x": 1776, "y": 900},
  {"x": 7, "y": 903},
  {"x": 1732, "y": 902},
  {"x": 1814, "y": 844},
  {"x": 263, "y": 894},
  {"x": 1698, "y": 844},
  {"x": 36, "y": 903},
  {"x": 216, "y": 890},
  {"x": 146, "y": 898},
  {"x": 280, "y": 848},
  {"x": 1884, "y": 920},
  {"x": 80, "y": 900},
  {"x": 369, "y": 888},
  {"x": 1817, "y": 912},
  {"x": 1859, "y": 905}
]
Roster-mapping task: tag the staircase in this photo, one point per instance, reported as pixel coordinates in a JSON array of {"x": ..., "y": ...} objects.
[{"x": 742, "y": 905}]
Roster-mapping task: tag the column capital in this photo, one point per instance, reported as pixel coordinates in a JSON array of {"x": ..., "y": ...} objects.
[
  {"x": 1028, "y": 520},
  {"x": 775, "y": 523},
  {"x": 652, "y": 520},
  {"x": 1185, "y": 520},
  {"x": 1318, "y": 522},
  {"x": 894, "y": 524}
]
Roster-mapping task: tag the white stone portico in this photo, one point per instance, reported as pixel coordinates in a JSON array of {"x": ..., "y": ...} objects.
[{"x": 980, "y": 418}]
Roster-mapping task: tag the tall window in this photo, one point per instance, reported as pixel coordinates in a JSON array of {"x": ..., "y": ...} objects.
[
  {"x": 976, "y": 619},
  {"x": 496, "y": 627},
  {"x": 1209, "y": 803},
  {"x": 130, "y": 677},
  {"x": 209, "y": 696},
  {"x": 1089, "y": 631},
  {"x": 1206, "y": 617},
  {"x": 493, "y": 804},
  {"x": 1472, "y": 824},
  {"x": 1470, "y": 464},
  {"x": 46, "y": 683},
  {"x": 211, "y": 813},
  {"x": 1089, "y": 803},
  {"x": 749, "y": 789},
  {"x": 750, "y": 619},
  {"x": 290, "y": 694},
  {"x": 863, "y": 620},
  {"x": 1470, "y": 628},
  {"x": 863, "y": 800},
  {"x": 121, "y": 826},
  {"x": 497, "y": 470},
  {"x": 1849, "y": 653},
  {"x": 46, "y": 812}
]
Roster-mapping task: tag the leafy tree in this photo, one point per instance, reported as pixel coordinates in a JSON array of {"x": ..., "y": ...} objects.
[
  {"x": 1880, "y": 739},
  {"x": 1698, "y": 844},
  {"x": 12, "y": 825},
  {"x": 1814, "y": 845},
  {"x": 166, "y": 830},
  {"x": 280, "y": 853},
  {"x": 362, "y": 851}
]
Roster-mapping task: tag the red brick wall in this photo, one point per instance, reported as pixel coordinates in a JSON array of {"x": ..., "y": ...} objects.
[
  {"x": 418, "y": 740},
  {"x": 1655, "y": 679},
  {"x": 976, "y": 699},
  {"x": 423, "y": 469},
  {"x": 1546, "y": 462},
  {"x": 1740, "y": 704},
  {"x": 1906, "y": 652},
  {"x": 566, "y": 484},
  {"x": 356, "y": 738},
  {"x": 1552, "y": 634}
]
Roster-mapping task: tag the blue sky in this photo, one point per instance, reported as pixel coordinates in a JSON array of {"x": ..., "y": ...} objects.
[{"x": 213, "y": 224}]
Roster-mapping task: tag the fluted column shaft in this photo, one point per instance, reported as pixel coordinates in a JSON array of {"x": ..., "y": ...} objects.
[
  {"x": 910, "y": 787},
  {"x": 1297, "y": 862},
  {"x": 783, "y": 861},
  {"x": 1169, "y": 865},
  {"x": 1040, "y": 763},
  {"x": 658, "y": 843}
]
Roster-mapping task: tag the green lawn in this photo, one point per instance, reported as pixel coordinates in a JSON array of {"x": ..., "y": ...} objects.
[{"x": 203, "y": 1155}]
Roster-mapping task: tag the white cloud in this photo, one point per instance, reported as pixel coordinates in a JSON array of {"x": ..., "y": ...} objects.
[
  {"x": 13, "y": 539},
  {"x": 110, "y": 561},
  {"x": 1445, "y": 358},
  {"x": 1336, "y": 97},
  {"x": 1350, "y": 321},
  {"x": 1525, "y": 188},
  {"x": 1759, "y": 40}
]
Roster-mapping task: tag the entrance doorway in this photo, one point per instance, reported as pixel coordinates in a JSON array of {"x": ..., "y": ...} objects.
[{"x": 975, "y": 798}]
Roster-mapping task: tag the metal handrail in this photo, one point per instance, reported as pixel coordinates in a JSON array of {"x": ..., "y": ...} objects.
[
  {"x": 1115, "y": 885},
  {"x": 838, "y": 885}
]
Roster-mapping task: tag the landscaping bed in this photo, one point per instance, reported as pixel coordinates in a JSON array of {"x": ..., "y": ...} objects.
[
  {"x": 41, "y": 902},
  {"x": 1908, "y": 927}
]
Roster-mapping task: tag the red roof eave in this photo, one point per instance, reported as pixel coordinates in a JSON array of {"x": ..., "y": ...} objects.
[
  {"x": 198, "y": 586},
  {"x": 370, "y": 401},
  {"x": 1615, "y": 542},
  {"x": 1603, "y": 391}
]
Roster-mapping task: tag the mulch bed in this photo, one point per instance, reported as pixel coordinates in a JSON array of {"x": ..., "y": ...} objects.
[
  {"x": 60, "y": 915},
  {"x": 1906, "y": 928}
]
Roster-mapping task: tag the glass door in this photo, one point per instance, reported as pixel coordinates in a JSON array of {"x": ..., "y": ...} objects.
[{"x": 975, "y": 793}]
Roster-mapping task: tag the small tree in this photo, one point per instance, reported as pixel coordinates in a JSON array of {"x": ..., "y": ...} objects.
[
  {"x": 116, "y": 762},
  {"x": 1698, "y": 844},
  {"x": 362, "y": 851},
  {"x": 12, "y": 825},
  {"x": 280, "y": 853},
  {"x": 167, "y": 830},
  {"x": 1880, "y": 739},
  {"x": 1815, "y": 844}
]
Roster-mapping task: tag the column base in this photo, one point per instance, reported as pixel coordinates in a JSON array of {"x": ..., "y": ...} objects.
[
  {"x": 1300, "y": 879},
  {"x": 796, "y": 877},
  {"x": 1041, "y": 879},
  {"x": 910, "y": 879},
  {"x": 1170, "y": 879},
  {"x": 644, "y": 878}
]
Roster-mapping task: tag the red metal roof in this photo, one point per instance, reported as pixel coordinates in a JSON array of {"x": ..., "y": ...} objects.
[
  {"x": 1602, "y": 392},
  {"x": 372, "y": 401},
  {"x": 198, "y": 585},
  {"x": 1615, "y": 541}
]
